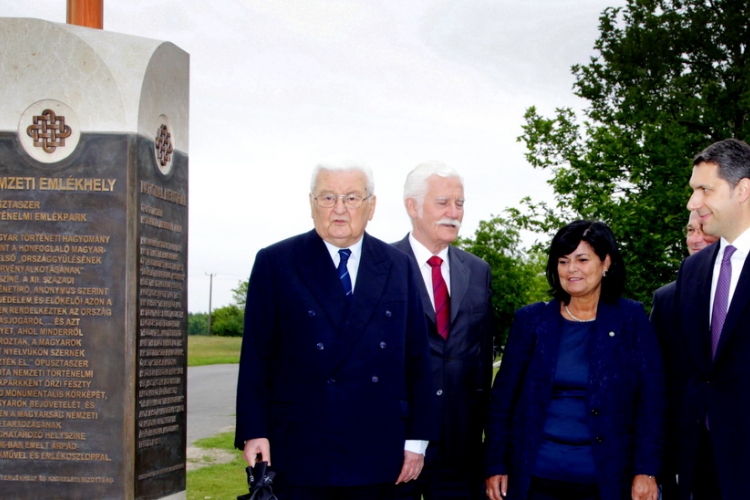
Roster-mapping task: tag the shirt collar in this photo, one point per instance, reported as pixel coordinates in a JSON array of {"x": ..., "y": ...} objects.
[
  {"x": 741, "y": 243},
  {"x": 356, "y": 249},
  {"x": 422, "y": 254}
]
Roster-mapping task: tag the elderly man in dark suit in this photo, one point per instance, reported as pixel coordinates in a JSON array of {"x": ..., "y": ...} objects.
[
  {"x": 455, "y": 292},
  {"x": 707, "y": 351},
  {"x": 662, "y": 313},
  {"x": 661, "y": 306},
  {"x": 334, "y": 377}
]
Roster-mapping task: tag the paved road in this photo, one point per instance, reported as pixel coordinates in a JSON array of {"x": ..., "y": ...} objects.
[{"x": 211, "y": 396}]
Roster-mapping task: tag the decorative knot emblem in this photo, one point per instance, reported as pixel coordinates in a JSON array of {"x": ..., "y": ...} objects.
[
  {"x": 163, "y": 145},
  {"x": 49, "y": 131}
]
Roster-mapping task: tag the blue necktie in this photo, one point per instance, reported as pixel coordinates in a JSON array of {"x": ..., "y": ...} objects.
[{"x": 346, "y": 280}]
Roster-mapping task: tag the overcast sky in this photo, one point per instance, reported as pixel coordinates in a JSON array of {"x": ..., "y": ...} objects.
[{"x": 280, "y": 85}]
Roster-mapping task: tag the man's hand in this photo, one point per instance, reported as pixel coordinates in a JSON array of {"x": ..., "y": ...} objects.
[
  {"x": 413, "y": 463},
  {"x": 644, "y": 488},
  {"x": 496, "y": 487},
  {"x": 255, "y": 447}
]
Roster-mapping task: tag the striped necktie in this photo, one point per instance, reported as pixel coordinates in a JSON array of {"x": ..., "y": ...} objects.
[{"x": 346, "y": 280}]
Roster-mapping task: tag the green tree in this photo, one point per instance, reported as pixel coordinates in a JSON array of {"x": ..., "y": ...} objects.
[
  {"x": 670, "y": 78},
  {"x": 197, "y": 323},
  {"x": 517, "y": 276},
  {"x": 227, "y": 321},
  {"x": 239, "y": 294}
]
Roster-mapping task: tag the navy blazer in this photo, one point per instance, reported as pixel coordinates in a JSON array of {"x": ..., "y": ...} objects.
[
  {"x": 462, "y": 363},
  {"x": 625, "y": 396},
  {"x": 336, "y": 386},
  {"x": 699, "y": 385},
  {"x": 662, "y": 309}
]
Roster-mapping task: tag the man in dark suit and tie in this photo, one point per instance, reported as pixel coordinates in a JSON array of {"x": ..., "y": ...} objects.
[
  {"x": 661, "y": 306},
  {"x": 455, "y": 290},
  {"x": 334, "y": 378},
  {"x": 707, "y": 352},
  {"x": 662, "y": 316}
]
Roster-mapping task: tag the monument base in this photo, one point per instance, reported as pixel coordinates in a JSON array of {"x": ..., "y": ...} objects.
[{"x": 182, "y": 495}]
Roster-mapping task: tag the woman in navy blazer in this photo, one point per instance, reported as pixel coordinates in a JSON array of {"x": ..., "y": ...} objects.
[{"x": 577, "y": 407}]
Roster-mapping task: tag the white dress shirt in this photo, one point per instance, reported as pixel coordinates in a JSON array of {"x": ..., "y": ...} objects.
[
  {"x": 742, "y": 244},
  {"x": 422, "y": 255},
  {"x": 352, "y": 264}
]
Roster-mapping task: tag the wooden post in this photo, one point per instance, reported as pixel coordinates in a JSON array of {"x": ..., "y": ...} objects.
[{"x": 88, "y": 13}]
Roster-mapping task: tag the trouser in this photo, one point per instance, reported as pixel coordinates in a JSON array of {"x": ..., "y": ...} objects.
[
  {"x": 441, "y": 480},
  {"x": 550, "y": 489},
  {"x": 705, "y": 477},
  {"x": 365, "y": 492}
]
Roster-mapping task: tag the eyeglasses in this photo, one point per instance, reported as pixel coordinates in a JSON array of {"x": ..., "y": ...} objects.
[{"x": 350, "y": 200}]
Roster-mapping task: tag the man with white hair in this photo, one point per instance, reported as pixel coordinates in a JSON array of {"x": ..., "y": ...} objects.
[
  {"x": 334, "y": 369},
  {"x": 455, "y": 290},
  {"x": 662, "y": 306}
]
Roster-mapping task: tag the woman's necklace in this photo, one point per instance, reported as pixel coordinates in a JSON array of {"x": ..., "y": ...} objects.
[{"x": 578, "y": 319}]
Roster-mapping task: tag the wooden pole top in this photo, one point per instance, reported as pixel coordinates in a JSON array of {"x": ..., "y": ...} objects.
[{"x": 88, "y": 13}]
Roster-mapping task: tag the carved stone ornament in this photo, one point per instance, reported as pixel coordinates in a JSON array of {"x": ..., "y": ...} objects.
[
  {"x": 49, "y": 131},
  {"x": 163, "y": 148}
]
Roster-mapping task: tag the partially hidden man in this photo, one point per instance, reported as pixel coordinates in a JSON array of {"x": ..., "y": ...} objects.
[
  {"x": 455, "y": 293},
  {"x": 707, "y": 352},
  {"x": 334, "y": 384}
]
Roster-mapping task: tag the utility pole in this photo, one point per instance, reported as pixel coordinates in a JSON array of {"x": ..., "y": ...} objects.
[{"x": 210, "y": 292}]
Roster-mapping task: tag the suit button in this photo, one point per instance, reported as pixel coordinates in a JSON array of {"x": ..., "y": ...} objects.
[
  {"x": 374, "y": 380},
  {"x": 594, "y": 412},
  {"x": 331, "y": 381},
  {"x": 439, "y": 392},
  {"x": 320, "y": 346},
  {"x": 311, "y": 313},
  {"x": 388, "y": 314},
  {"x": 448, "y": 359},
  {"x": 382, "y": 345},
  {"x": 599, "y": 439},
  {"x": 611, "y": 334}
]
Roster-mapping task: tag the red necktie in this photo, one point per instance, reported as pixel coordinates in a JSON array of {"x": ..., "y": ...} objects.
[{"x": 440, "y": 293}]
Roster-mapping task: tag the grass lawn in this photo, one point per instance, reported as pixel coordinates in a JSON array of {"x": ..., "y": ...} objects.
[
  {"x": 222, "y": 481},
  {"x": 213, "y": 350}
]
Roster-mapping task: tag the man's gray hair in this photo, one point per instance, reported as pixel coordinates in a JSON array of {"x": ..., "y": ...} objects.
[
  {"x": 416, "y": 186},
  {"x": 344, "y": 166}
]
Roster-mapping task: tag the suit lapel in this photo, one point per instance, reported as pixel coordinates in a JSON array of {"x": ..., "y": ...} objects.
[
  {"x": 316, "y": 267},
  {"x": 739, "y": 303},
  {"x": 606, "y": 335},
  {"x": 429, "y": 311},
  {"x": 459, "y": 281},
  {"x": 549, "y": 331},
  {"x": 695, "y": 298},
  {"x": 372, "y": 277}
]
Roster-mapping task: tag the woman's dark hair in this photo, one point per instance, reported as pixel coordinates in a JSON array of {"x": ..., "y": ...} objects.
[{"x": 600, "y": 237}]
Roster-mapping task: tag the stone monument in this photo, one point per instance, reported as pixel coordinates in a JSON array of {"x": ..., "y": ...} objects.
[{"x": 93, "y": 263}]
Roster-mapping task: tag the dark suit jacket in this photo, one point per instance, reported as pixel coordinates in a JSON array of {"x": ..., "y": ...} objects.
[
  {"x": 699, "y": 386},
  {"x": 462, "y": 363},
  {"x": 662, "y": 319},
  {"x": 336, "y": 386},
  {"x": 662, "y": 309},
  {"x": 625, "y": 396}
]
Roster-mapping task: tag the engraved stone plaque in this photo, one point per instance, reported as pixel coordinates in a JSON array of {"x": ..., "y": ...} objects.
[{"x": 93, "y": 268}]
